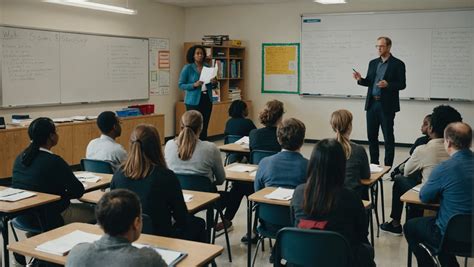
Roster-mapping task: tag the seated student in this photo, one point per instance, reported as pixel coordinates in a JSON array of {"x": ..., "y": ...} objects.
[
  {"x": 38, "y": 169},
  {"x": 265, "y": 138},
  {"x": 450, "y": 184},
  {"x": 119, "y": 215},
  {"x": 186, "y": 154},
  {"x": 238, "y": 125},
  {"x": 420, "y": 141},
  {"x": 357, "y": 164},
  {"x": 324, "y": 203},
  {"x": 423, "y": 160},
  {"x": 105, "y": 148},
  {"x": 145, "y": 173},
  {"x": 286, "y": 168}
]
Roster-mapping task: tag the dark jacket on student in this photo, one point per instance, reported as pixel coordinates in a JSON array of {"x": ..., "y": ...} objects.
[
  {"x": 161, "y": 197},
  {"x": 239, "y": 126},
  {"x": 348, "y": 218},
  {"x": 48, "y": 173},
  {"x": 264, "y": 139}
]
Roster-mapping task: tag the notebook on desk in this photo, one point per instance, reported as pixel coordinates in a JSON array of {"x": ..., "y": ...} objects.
[
  {"x": 171, "y": 257},
  {"x": 13, "y": 194},
  {"x": 62, "y": 245}
]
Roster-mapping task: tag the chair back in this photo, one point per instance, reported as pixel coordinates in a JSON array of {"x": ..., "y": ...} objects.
[
  {"x": 231, "y": 138},
  {"x": 93, "y": 165},
  {"x": 272, "y": 218},
  {"x": 457, "y": 239},
  {"x": 257, "y": 155},
  {"x": 310, "y": 247},
  {"x": 147, "y": 225},
  {"x": 196, "y": 183}
]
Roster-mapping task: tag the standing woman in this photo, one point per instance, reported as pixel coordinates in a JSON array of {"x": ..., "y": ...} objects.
[
  {"x": 357, "y": 165},
  {"x": 198, "y": 95}
]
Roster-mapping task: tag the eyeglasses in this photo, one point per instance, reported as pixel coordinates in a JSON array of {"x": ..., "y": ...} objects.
[{"x": 380, "y": 46}]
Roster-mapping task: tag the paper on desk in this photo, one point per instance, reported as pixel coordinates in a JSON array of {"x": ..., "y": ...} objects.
[
  {"x": 281, "y": 194},
  {"x": 417, "y": 188},
  {"x": 242, "y": 168},
  {"x": 187, "y": 197},
  {"x": 12, "y": 194},
  {"x": 253, "y": 174},
  {"x": 60, "y": 120},
  {"x": 87, "y": 177},
  {"x": 62, "y": 245},
  {"x": 375, "y": 168},
  {"x": 207, "y": 74},
  {"x": 171, "y": 257},
  {"x": 243, "y": 141}
]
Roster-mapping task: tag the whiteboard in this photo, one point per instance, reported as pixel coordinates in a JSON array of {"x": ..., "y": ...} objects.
[
  {"x": 437, "y": 48},
  {"x": 49, "y": 67}
]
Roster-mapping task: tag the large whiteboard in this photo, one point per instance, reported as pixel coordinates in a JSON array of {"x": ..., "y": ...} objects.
[
  {"x": 437, "y": 48},
  {"x": 49, "y": 67}
]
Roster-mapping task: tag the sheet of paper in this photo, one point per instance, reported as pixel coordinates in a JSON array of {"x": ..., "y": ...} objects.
[
  {"x": 243, "y": 141},
  {"x": 375, "y": 168},
  {"x": 207, "y": 74},
  {"x": 169, "y": 256},
  {"x": 281, "y": 194},
  {"x": 242, "y": 168},
  {"x": 87, "y": 177},
  {"x": 12, "y": 194},
  {"x": 417, "y": 188},
  {"x": 60, "y": 120},
  {"x": 253, "y": 174},
  {"x": 62, "y": 245},
  {"x": 187, "y": 197}
]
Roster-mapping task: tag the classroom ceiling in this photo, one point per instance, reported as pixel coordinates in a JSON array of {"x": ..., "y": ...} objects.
[{"x": 202, "y": 3}]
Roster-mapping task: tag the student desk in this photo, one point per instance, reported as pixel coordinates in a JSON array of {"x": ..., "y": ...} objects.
[
  {"x": 412, "y": 198},
  {"x": 239, "y": 176},
  {"x": 259, "y": 197},
  {"x": 234, "y": 148},
  {"x": 9, "y": 210},
  {"x": 104, "y": 182},
  {"x": 373, "y": 186},
  {"x": 198, "y": 253}
]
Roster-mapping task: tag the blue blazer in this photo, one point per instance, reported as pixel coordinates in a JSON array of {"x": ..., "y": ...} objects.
[{"x": 189, "y": 75}]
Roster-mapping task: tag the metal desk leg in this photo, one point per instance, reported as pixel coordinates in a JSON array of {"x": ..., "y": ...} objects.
[
  {"x": 382, "y": 199},
  {"x": 249, "y": 232},
  {"x": 409, "y": 256},
  {"x": 6, "y": 255},
  {"x": 374, "y": 198},
  {"x": 209, "y": 223},
  {"x": 371, "y": 224}
]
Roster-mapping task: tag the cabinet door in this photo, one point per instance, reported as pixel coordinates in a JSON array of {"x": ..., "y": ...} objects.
[
  {"x": 81, "y": 136},
  {"x": 64, "y": 146},
  {"x": 13, "y": 142}
]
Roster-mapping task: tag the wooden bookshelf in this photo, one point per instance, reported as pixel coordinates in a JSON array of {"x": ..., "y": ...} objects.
[{"x": 233, "y": 75}]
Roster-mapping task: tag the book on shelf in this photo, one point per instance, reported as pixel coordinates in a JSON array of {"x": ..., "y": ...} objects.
[
  {"x": 235, "y": 68},
  {"x": 234, "y": 93}
]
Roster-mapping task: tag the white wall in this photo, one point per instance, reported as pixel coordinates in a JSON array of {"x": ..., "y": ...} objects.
[
  {"x": 268, "y": 23},
  {"x": 152, "y": 20}
]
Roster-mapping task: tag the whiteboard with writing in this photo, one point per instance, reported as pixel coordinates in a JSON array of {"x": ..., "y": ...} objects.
[
  {"x": 49, "y": 67},
  {"x": 437, "y": 48}
]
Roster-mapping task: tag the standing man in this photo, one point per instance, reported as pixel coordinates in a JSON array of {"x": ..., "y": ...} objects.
[{"x": 385, "y": 77}]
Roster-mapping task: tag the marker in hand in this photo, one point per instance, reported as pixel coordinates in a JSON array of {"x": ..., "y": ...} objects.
[{"x": 354, "y": 70}]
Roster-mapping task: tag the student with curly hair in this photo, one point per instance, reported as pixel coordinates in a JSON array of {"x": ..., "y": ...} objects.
[{"x": 266, "y": 138}]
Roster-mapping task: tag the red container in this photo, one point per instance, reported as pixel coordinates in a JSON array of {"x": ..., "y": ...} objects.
[{"x": 145, "y": 109}]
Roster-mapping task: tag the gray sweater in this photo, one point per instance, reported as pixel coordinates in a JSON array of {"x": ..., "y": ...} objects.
[
  {"x": 113, "y": 251},
  {"x": 357, "y": 167},
  {"x": 206, "y": 161}
]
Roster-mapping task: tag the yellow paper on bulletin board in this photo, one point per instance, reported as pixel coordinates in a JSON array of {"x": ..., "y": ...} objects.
[
  {"x": 280, "y": 60},
  {"x": 280, "y": 68}
]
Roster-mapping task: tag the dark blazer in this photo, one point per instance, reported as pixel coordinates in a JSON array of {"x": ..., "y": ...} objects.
[{"x": 395, "y": 77}]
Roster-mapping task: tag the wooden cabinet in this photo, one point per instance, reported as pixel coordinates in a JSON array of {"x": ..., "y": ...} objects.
[{"x": 73, "y": 139}]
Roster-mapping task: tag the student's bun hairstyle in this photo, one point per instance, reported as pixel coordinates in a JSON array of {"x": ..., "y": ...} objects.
[
  {"x": 272, "y": 113},
  {"x": 39, "y": 131}
]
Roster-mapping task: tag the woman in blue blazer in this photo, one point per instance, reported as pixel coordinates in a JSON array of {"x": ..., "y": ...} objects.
[{"x": 198, "y": 95}]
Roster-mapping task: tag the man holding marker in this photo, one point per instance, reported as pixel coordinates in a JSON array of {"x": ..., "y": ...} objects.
[{"x": 385, "y": 77}]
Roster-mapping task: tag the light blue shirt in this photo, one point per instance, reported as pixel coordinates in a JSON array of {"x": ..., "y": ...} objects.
[{"x": 379, "y": 74}]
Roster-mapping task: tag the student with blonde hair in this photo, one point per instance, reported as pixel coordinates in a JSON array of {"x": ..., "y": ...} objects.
[
  {"x": 186, "y": 154},
  {"x": 357, "y": 165},
  {"x": 146, "y": 174}
]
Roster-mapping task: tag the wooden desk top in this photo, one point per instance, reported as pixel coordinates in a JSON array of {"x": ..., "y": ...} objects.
[
  {"x": 105, "y": 180},
  {"x": 198, "y": 253},
  {"x": 239, "y": 176},
  {"x": 374, "y": 177},
  {"x": 34, "y": 201},
  {"x": 200, "y": 199},
  {"x": 413, "y": 197},
  {"x": 234, "y": 148}
]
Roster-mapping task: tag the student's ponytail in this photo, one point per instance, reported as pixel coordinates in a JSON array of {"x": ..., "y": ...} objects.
[
  {"x": 39, "y": 132},
  {"x": 191, "y": 126},
  {"x": 341, "y": 122}
]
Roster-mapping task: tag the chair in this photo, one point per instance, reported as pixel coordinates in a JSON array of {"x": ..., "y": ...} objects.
[
  {"x": 231, "y": 157},
  {"x": 311, "y": 247},
  {"x": 147, "y": 225},
  {"x": 93, "y": 165},
  {"x": 29, "y": 223},
  {"x": 257, "y": 155},
  {"x": 272, "y": 218},
  {"x": 203, "y": 184},
  {"x": 457, "y": 239}
]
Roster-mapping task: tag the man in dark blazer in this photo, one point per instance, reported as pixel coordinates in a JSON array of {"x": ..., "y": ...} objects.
[{"x": 385, "y": 77}]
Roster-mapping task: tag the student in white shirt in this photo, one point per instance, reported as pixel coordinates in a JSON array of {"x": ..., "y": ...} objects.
[{"x": 105, "y": 148}]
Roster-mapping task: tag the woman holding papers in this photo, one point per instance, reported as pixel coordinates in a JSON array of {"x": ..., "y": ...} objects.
[
  {"x": 324, "y": 203},
  {"x": 357, "y": 165},
  {"x": 198, "y": 89},
  {"x": 145, "y": 173},
  {"x": 38, "y": 169}
]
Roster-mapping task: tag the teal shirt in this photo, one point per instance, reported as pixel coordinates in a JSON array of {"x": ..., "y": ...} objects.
[{"x": 189, "y": 75}]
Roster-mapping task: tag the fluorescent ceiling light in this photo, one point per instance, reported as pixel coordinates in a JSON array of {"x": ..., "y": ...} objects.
[
  {"x": 93, "y": 5},
  {"x": 328, "y": 2}
]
